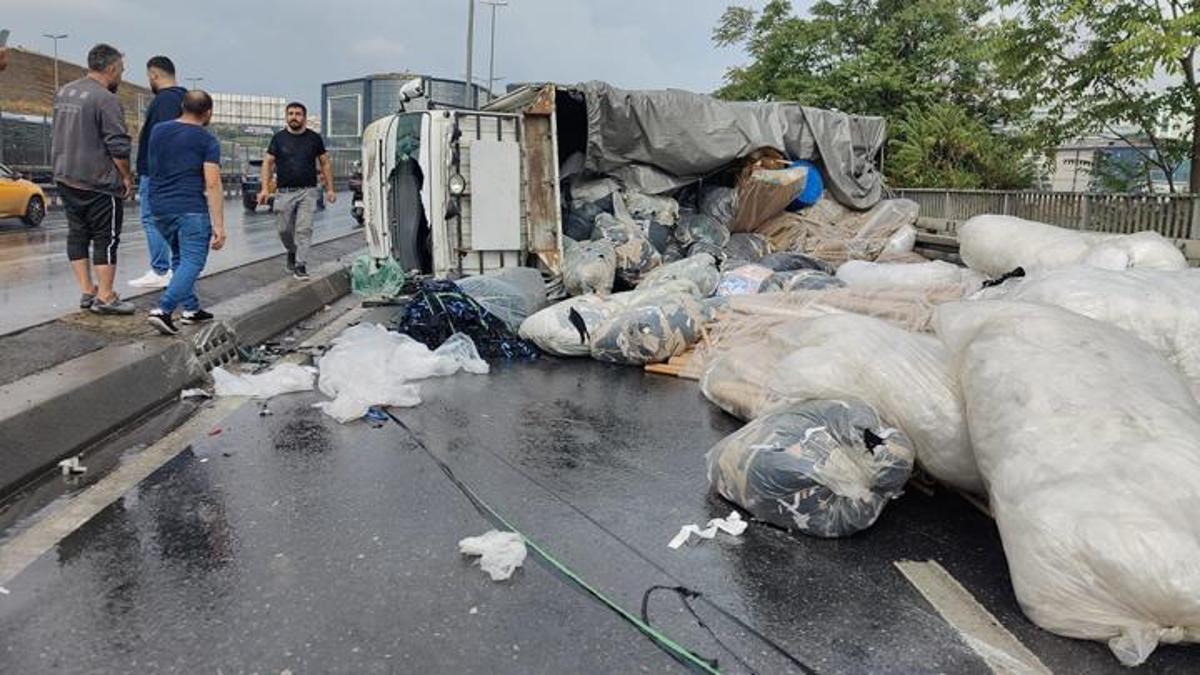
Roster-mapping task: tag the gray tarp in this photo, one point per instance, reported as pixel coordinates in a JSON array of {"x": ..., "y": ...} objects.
[{"x": 655, "y": 141}]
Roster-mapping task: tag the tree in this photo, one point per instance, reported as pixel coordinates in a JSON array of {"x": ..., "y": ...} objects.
[
  {"x": 1098, "y": 66},
  {"x": 893, "y": 58},
  {"x": 944, "y": 147}
]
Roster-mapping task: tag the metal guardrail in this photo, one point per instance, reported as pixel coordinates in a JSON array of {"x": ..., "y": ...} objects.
[{"x": 1172, "y": 215}]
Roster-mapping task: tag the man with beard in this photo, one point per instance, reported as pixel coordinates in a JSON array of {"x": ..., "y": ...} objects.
[
  {"x": 90, "y": 154},
  {"x": 293, "y": 155},
  {"x": 166, "y": 106}
]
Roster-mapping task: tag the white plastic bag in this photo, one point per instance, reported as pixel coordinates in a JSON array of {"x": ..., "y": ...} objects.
[
  {"x": 284, "y": 378},
  {"x": 995, "y": 245},
  {"x": 553, "y": 331},
  {"x": 1159, "y": 307},
  {"x": 370, "y": 365},
  {"x": 1090, "y": 447},
  {"x": 500, "y": 553},
  {"x": 903, "y": 241},
  {"x": 903, "y": 375}
]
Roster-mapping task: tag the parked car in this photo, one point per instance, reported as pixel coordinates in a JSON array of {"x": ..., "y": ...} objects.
[
  {"x": 20, "y": 198},
  {"x": 252, "y": 183}
]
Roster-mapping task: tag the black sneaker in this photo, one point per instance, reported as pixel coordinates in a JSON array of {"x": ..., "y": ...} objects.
[
  {"x": 162, "y": 321},
  {"x": 301, "y": 272},
  {"x": 291, "y": 261},
  {"x": 198, "y": 316}
]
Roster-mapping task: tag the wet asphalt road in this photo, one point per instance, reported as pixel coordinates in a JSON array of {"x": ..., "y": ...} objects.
[
  {"x": 36, "y": 283},
  {"x": 293, "y": 543}
]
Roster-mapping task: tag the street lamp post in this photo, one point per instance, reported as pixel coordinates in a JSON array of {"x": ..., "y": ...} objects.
[
  {"x": 467, "y": 97},
  {"x": 193, "y": 81},
  {"x": 56, "y": 38},
  {"x": 492, "y": 60}
]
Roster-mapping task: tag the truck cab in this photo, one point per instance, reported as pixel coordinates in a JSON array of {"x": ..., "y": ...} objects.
[{"x": 455, "y": 192}]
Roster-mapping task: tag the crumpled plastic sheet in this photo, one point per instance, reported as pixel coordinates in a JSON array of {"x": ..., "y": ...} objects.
[
  {"x": 1087, "y": 441},
  {"x": 512, "y": 294},
  {"x": 373, "y": 278},
  {"x": 649, "y": 333},
  {"x": 823, "y": 468},
  {"x": 700, "y": 269},
  {"x": 733, "y": 526},
  {"x": 635, "y": 255},
  {"x": 284, "y": 378},
  {"x": 500, "y": 553},
  {"x": 370, "y": 365},
  {"x": 589, "y": 267}
]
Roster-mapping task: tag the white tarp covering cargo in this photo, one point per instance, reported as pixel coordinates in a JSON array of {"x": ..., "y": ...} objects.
[{"x": 1089, "y": 445}]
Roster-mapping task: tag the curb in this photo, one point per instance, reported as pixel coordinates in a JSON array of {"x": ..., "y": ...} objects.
[{"x": 56, "y": 413}]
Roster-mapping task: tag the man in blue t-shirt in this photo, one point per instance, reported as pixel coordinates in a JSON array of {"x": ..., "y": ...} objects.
[
  {"x": 167, "y": 105},
  {"x": 188, "y": 205}
]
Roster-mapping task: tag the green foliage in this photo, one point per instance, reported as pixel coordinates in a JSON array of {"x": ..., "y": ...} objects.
[
  {"x": 1097, "y": 66},
  {"x": 922, "y": 64},
  {"x": 944, "y": 147}
]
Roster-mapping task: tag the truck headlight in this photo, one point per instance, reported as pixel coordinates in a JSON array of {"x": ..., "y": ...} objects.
[{"x": 458, "y": 184}]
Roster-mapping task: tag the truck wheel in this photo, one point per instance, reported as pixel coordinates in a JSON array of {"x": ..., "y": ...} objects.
[{"x": 35, "y": 211}]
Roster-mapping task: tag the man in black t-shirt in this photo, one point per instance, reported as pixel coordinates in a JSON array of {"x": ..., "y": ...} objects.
[{"x": 292, "y": 158}]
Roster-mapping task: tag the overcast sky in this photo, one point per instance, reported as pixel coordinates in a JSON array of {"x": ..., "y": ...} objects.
[{"x": 290, "y": 48}]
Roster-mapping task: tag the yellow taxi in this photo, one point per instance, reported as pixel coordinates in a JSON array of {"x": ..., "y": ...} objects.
[{"x": 20, "y": 198}]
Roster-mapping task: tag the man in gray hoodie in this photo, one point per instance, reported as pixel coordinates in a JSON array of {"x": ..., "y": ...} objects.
[{"x": 90, "y": 150}]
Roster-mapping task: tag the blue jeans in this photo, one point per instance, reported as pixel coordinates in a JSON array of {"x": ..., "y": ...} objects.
[
  {"x": 160, "y": 253},
  {"x": 188, "y": 236}
]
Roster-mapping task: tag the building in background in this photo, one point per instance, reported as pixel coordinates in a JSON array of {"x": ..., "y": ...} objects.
[
  {"x": 244, "y": 123},
  {"x": 348, "y": 106}
]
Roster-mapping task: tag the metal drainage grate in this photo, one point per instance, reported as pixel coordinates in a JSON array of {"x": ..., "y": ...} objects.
[{"x": 215, "y": 345}]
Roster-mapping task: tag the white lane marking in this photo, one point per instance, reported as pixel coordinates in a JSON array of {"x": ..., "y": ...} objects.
[
  {"x": 17, "y": 553},
  {"x": 999, "y": 649},
  {"x": 20, "y": 551}
]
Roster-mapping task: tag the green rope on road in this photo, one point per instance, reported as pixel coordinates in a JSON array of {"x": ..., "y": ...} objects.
[{"x": 676, "y": 650}]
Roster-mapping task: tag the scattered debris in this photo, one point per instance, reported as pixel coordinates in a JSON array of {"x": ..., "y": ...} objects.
[
  {"x": 5, "y": 591},
  {"x": 376, "y": 417},
  {"x": 193, "y": 393},
  {"x": 72, "y": 467},
  {"x": 264, "y": 411},
  {"x": 473, "y": 610},
  {"x": 282, "y": 379},
  {"x": 501, "y": 553},
  {"x": 733, "y": 525},
  {"x": 215, "y": 432}
]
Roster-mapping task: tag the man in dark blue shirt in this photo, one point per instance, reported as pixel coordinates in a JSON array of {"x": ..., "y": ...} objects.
[
  {"x": 188, "y": 204},
  {"x": 167, "y": 105}
]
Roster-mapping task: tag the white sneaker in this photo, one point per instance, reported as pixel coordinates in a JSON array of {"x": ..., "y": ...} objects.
[{"x": 152, "y": 279}]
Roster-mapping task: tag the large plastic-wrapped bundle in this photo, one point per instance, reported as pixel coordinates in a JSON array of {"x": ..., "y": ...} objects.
[
  {"x": 564, "y": 329},
  {"x": 652, "y": 207},
  {"x": 800, "y": 280},
  {"x": 719, "y": 203},
  {"x": 589, "y": 266},
  {"x": 790, "y": 261},
  {"x": 856, "y": 236},
  {"x": 1162, "y": 308},
  {"x": 885, "y": 219},
  {"x": 651, "y": 332},
  {"x": 765, "y": 193},
  {"x": 700, "y": 269},
  {"x": 995, "y": 245},
  {"x": 745, "y": 248},
  {"x": 512, "y": 294},
  {"x": 872, "y": 275},
  {"x": 824, "y": 468},
  {"x": 1087, "y": 442},
  {"x": 635, "y": 254},
  {"x": 746, "y": 279},
  {"x": 694, "y": 228},
  {"x": 903, "y": 375}
]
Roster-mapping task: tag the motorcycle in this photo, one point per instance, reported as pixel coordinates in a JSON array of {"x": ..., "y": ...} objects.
[{"x": 356, "y": 197}]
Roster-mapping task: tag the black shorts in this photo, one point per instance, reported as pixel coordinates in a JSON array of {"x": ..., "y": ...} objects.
[{"x": 93, "y": 224}]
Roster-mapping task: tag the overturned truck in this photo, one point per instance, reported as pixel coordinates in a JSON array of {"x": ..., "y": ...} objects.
[{"x": 460, "y": 192}]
